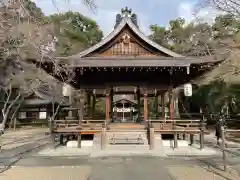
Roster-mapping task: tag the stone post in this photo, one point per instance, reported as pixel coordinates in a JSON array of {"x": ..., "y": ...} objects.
[
  {"x": 103, "y": 138},
  {"x": 202, "y": 127},
  {"x": 151, "y": 137},
  {"x": 223, "y": 147}
]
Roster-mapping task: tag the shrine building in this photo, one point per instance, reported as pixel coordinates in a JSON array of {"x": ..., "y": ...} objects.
[{"x": 127, "y": 69}]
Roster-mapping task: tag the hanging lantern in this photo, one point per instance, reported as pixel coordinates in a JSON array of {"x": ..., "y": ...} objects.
[
  {"x": 66, "y": 90},
  {"x": 188, "y": 89}
]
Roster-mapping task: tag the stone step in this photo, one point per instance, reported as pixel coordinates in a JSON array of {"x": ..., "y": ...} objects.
[
  {"x": 128, "y": 147},
  {"x": 127, "y": 138},
  {"x": 127, "y": 133},
  {"x": 126, "y": 141}
]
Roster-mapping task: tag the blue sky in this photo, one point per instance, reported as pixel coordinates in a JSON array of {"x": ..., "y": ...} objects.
[{"x": 149, "y": 12}]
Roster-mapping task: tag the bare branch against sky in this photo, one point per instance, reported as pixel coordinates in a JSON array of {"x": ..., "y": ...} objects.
[{"x": 228, "y": 6}]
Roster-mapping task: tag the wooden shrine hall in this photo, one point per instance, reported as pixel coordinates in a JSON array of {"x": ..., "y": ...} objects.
[{"x": 127, "y": 62}]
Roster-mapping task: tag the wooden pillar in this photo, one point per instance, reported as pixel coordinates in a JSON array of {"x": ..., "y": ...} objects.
[
  {"x": 81, "y": 106},
  {"x": 111, "y": 104},
  {"x": 163, "y": 105},
  {"x": 202, "y": 128},
  {"x": 171, "y": 104},
  {"x": 156, "y": 105},
  {"x": 145, "y": 106},
  {"x": 80, "y": 114},
  {"x": 171, "y": 114},
  {"x": 107, "y": 102},
  {"x": 139, "y": 105},
  {"x": 93, "y": 106},
  {"x": 176, "y": 107},
  {"x": 88, "y": 105}
]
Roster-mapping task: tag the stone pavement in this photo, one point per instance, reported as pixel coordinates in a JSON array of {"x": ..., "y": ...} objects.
[
  {"x": 95, "y": 164},
  {"x": 200, "y": 173},
  {"x": 128, "y": 150},
  {"x": 210, "y": 139},
  {"x": 47, "y": 173},
  {"x": 231, "y": 147},
  {"x": 13, "y": 139},
  {"x": 117, "y": 168},
  {"x": 18, "y": 143}
]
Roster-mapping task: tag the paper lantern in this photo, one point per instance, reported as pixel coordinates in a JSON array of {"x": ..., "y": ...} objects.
[
  {"x": 42, "y": 115},
  {"x": 66, "y": 90},
  {"x": 187, "y": 90}
]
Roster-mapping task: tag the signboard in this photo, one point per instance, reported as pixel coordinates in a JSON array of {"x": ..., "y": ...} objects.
[{"x": 124, "y": 109}]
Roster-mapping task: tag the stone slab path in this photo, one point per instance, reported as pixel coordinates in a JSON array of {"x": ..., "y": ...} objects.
[
  {"x": 117, "y": 168},
  {"x": 47, "y": 173},
  {"x": 13, "y": 139}
]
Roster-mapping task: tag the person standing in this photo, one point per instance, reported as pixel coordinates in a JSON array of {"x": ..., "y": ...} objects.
[{"x": 220, "y": 123}]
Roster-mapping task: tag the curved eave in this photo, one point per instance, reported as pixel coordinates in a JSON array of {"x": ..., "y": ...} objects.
[
  {"x": 141, "y": 61},
  {"x": 49, "y": 98},
  {"x": 116, "y": 31},
  {"x": 37, "y": 101}
]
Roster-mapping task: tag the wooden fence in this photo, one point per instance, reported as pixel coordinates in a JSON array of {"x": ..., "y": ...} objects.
[{"x": 223, "y": 146}]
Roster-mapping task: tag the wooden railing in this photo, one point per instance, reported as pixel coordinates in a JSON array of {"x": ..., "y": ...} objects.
[
  {"x": 72, "y": 123},
  {"x": 177, "y": 127},
  {"x": 179, "y": 123},
  {"x": 223, "y": 146}
]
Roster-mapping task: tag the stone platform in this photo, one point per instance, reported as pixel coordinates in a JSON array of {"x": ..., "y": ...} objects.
[
  {"x": 128, "y": 150},
  {"x": 161, "y": 147}
]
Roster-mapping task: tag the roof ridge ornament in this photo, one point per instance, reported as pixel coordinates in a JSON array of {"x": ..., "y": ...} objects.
[{"x": 126, "y": 13}]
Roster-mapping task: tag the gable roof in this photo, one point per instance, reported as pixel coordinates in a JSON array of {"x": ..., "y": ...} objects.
[
  {"x": 117, "y": 98},
  {"x": 126, "y": 21}
]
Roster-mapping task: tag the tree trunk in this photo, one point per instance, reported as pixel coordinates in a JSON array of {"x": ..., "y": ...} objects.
[{"x": 14, "y": 125}]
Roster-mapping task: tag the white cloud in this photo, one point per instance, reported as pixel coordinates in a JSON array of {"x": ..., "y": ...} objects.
[
  {"x": 208, "y": 14},
  {"x": 187, "y": 11}
]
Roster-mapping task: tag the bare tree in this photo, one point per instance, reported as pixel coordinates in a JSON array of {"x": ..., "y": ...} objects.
[
  {"x": 15, "y": 88},
  {"x": 23, "y": 37},
  {"x": 228, "y": 6},
  {"x": 223, "y": 6}
]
